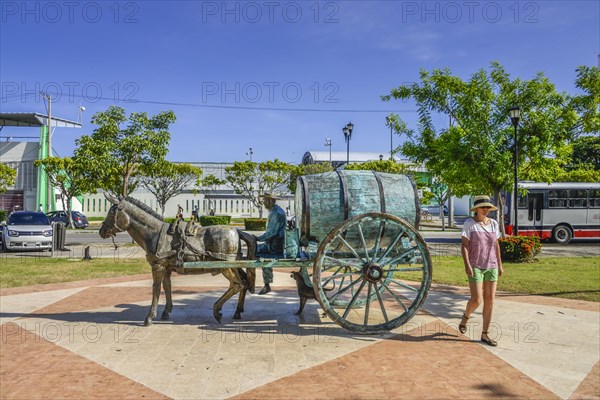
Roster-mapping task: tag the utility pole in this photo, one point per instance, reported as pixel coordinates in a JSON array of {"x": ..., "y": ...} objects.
[{"x": 328, "y": 144}]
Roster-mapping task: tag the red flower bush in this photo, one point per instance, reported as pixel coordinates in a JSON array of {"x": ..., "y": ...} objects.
[{"x": 519, "y": 248}]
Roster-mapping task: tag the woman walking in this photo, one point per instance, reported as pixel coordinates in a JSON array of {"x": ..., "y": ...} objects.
[{"x": 483, "y": 265}]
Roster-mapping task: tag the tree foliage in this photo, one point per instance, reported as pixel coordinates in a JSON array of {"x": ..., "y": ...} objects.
[
  {"x": 166, "y": 180},
  {"x": 7, "y": 177},
  {"x": 250, "y": 179},
  {"x": 66, "y": 174},
  {"x": 586, "y": 104},
  {"x": 115, "y": 155},
  {"x": 585, "y": 153},
  {"x": 389, "y": 166},
  {"x": 475, "y": 155},
  {"x": 307, "y": 169},
  {"x": 210, "y": 184}
]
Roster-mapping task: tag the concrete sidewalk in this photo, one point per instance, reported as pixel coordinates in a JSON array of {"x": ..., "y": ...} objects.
[{"x": 85, "y": 340}]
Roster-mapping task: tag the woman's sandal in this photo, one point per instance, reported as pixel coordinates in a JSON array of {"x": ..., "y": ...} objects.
[
  {"x": 489, "y": 342},
  {"x": 462, "y": 328}
]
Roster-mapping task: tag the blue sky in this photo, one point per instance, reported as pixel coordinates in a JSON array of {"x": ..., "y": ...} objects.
[{"x": 277, "y": 76}]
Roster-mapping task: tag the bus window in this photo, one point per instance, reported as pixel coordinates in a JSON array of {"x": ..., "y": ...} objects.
[
  {"x": 538, "y": 207},
  {"x": 594, "y": 198},
  {"x": 557, "y": 198},
  {"x": 522, "y": 202},
  {"x": 578, "y": 198},
  {"x": 535, "y": 202}
]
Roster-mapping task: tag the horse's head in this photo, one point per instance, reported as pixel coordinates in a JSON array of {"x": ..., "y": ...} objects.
[{"x": 116, "y": 220}]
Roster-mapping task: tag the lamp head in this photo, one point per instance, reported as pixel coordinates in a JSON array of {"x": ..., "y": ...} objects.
[{"x": 515, "y": 115}]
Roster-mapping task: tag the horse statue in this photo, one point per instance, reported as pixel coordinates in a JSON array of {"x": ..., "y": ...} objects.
[{"x": 168, "y": 245}]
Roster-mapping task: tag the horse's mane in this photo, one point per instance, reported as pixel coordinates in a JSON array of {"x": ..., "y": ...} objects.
[{"x": 144, "y": 207}]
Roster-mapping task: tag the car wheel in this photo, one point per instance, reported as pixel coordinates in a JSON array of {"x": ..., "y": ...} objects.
[{"x": 562, "y": 234}]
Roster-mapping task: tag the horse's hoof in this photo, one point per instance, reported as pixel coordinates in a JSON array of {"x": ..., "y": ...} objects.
[
  {"x": 218, "y": 317},
  {"x": 148, "y": 322},
  {"x": 237, "y": 316},
  {"x": 164, "y": 317}
]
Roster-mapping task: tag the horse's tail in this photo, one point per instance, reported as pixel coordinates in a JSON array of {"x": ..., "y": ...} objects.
[{"x": 250, "y": 241}]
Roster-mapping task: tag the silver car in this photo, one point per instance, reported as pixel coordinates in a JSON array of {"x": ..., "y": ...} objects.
[{"x": 27, "y": 230}]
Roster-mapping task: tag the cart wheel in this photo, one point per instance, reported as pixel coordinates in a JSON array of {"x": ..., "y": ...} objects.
[{"x": 372, "y": 273}]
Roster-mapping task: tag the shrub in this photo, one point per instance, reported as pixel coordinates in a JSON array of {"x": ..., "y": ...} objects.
[
  {"x": 207, "y": 220},
  {"x": 2, "y": 215},
  {"x": 255, "y": 224},
  {"x": 519, "y": 248}
]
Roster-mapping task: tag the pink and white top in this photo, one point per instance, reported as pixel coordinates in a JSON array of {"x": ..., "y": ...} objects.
[{"x": 482, "y": 243}]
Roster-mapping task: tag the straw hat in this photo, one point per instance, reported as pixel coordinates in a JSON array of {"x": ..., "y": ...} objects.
[
  {"x": 483, "y": 201},
  {"x": 268, "y": 195}
]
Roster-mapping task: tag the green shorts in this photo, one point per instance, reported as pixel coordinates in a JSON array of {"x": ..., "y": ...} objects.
[{"x": 484, "y": 275}]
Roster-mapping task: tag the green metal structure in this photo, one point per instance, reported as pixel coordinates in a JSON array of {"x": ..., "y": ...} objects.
[{"x": 32, "y": 120}]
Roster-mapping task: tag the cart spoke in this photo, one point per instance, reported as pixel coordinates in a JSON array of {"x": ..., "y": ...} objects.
[
  {"x": 391, "y": 246},
  {"x": 345, "y": 289},
  {"x": 349, "y": 247},
  {"x": 367, "y": 306},
  {"x": 334, "y": 277},
  {"x": 401, "y": 256},
  {"x": 339, "y": 262},
  {"x": 378, "y": 239},
  {"x": 362, "y": 285},
  {"x": 380, "y": 300},
  {"x": 394, "y": 296},
  {"x": 412, "y": 269},
  {"x": 364, "y": 243}
]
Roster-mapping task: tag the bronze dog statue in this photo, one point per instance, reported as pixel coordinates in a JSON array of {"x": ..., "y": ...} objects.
[{"x": 305, "y": 292}]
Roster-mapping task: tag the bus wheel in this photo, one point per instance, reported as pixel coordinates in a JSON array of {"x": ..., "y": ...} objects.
[{"x": 562, "y": 234}]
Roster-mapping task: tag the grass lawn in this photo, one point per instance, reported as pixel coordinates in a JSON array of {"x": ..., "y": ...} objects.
[
  {"x": 566, "y": 277},
  {"x": 25, "y": 271}
]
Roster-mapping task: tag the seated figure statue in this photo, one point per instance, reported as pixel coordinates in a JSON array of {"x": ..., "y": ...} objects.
[{"x": 273, "y": 239}]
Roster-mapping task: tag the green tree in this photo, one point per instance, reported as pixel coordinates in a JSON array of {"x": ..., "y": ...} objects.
[
  {"x": 475, "y": 155},
  {"x": 250, "y": 179},
  {"x": 307, "y": 169},
  {"x": 585, "y": 153},
  {"x": 579, "y": 175},
  {"x": 587, "y": 103},
  {"x": 114, "y": 155},
  {"x": 7, "y": 177},
  {"x": 166, "y": 180},
  {"x": 210, "y": 184},
  {"x": 66, "y": 174},
  {"x": 389, "y": 166}
]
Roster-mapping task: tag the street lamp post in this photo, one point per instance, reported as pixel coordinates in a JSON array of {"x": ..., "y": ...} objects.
[
  {"x": 347, "y": 136},
  {"x": 328, "y": 144},
  {"x": 249, "y": 153},
  {"x": 389, "y": 120},
  {"x": 515, "y": 114}
]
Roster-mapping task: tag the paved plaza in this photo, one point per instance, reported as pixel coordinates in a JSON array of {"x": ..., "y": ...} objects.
[{"x": 85, "y": 340}]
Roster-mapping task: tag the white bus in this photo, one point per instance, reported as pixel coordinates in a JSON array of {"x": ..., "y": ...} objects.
[{"x": 560, "y": 211}]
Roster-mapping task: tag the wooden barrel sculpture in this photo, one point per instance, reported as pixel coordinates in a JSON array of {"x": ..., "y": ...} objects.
[
  {"x": 372, "y": 269},
  {"x": 326, "y": 200}
]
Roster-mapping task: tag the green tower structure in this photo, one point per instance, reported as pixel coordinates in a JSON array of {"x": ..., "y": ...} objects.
[{"x": 44, "y": 193}]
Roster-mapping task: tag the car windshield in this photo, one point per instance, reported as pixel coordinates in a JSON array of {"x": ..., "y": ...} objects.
[{"x": 28, "y": 219}]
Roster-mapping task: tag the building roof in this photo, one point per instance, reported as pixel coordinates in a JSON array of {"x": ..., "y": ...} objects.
[
  {"x": 313, "y": 156},
  {"x": 18, "y": 151},
  {"x": 35, "y": 120}
]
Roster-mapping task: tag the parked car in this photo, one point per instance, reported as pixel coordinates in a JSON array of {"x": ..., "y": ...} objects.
[
  {"x": 27, "y": 230},
  {"x": 79, "y": 220},
  {"x": 435, "y": 210}
]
